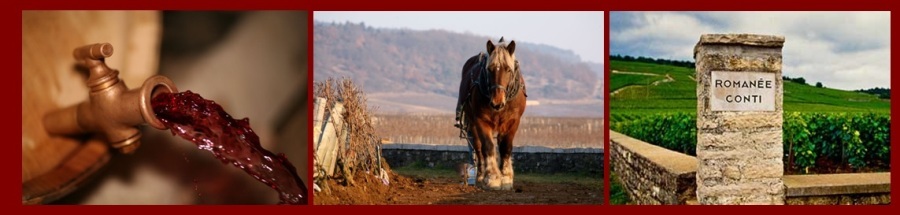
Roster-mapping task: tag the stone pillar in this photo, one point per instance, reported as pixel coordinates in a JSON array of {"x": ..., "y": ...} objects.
[{"x": 739, "y": 119}]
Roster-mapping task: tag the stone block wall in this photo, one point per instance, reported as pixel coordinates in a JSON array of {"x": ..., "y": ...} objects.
[
  {"x": 526, "y": 159},
  {"x": 652, "y": 175}
]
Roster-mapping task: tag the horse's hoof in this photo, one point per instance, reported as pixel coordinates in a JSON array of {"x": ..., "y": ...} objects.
[
  {"x": 506, "y": 186},
  {"x": 491, "y": 184},
  {"x": 506, "y": 182},
  {"x": 488, "y": 187}
]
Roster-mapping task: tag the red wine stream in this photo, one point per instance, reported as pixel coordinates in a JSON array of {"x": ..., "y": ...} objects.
[{"x": 207, "y": 125}]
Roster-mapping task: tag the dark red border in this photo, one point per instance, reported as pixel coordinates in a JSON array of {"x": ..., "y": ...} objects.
[
  {"x": 309, "y": 101},
  {"x": 606, "y": 167},
  {"x": 12, "y": 18}
]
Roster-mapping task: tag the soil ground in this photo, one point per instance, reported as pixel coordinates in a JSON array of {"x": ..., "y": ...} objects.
[{"x": 423, "y": 186}]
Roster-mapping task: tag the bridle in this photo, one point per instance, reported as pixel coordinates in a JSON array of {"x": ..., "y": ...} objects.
[{"x": 483, "y": 81}]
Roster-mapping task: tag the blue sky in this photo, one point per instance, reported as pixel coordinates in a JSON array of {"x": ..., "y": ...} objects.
[
  {"x": 581, "y": 32},
  {"x": 843, "y": 50}
]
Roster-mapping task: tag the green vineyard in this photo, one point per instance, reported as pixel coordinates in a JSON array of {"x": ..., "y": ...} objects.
[
  {"x": 813, "y": 142},
  {"x": 674, "y": 131},
  {"x": 825, "y": 130}
]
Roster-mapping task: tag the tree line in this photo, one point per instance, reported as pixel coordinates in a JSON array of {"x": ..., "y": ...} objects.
[
  {"x": 882, "y": 93},
  {"x": 680, "y": 63}
]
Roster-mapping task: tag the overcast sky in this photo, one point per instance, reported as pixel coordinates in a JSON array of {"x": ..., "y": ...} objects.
[
  {"x": 581, "y": 32},
  {"x": 843, "y": 50}
]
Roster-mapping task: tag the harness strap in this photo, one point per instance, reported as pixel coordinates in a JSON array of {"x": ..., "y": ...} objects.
[{"x": 482, "y": 81}]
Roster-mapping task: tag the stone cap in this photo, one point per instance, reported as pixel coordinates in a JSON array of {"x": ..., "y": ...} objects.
[
  {"x": 837, "y": 184},
  {"x": 743, "y": 39},
  {"x": 772, "y": 41},
  {"x": 674, "y": 162}
]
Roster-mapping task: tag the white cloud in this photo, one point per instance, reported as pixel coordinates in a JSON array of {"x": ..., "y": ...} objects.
[
  {"x": 845, "y": 50},
  {"x": 665, "y": 33}
]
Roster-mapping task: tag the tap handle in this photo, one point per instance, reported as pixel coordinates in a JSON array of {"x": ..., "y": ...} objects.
[
  {"x": 96, "y": 51},
  {"x": 93, "y": 58}
]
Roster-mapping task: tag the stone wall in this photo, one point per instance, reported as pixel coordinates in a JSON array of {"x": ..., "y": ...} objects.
[
  {"x": 534, "y": 159},
  {"x": 652, "y": 175},
  {"x": 739, "y": 149},
  {"x": 838, "y": 189}
]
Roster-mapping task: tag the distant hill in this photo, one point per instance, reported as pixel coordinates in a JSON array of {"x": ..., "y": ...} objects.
[
  {"x": 644, "y": 87},
  {"x": 430, "y": 62}
]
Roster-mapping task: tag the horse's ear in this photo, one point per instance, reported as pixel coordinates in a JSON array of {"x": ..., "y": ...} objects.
[
  {"x": 511, "y": 47},
  {"x": 490, "y": 47}
]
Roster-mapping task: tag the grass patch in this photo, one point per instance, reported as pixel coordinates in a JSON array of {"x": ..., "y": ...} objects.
[
  {"x": 595, "y": 179},
  {"x": 419, "y": 169},
  {"x": 617, "y": 193}
]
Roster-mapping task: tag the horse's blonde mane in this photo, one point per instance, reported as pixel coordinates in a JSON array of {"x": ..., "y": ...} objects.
[{"x": 501, "y": 54}]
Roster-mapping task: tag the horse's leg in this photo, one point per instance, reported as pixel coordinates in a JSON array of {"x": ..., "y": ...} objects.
[
  {"x": 506, "y": 165},
  {"x": 506, "y": 147},
  {"x": 476, "y": 155},
  {"x": 489, "y": 157}
]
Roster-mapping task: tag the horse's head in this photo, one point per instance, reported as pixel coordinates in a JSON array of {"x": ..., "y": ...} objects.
[{"x": 500, "y": 67}]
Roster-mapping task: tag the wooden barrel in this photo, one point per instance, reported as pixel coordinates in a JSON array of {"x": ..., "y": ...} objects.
[{"x": 53, "y": 166}]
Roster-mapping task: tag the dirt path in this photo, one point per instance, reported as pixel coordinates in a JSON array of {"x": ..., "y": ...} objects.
[
  {"x": 613, "y": 93},
  {"x": 667, "y": 79},
  {"x": 634, "y": 73},
  {"x": 444, "y": 190}
]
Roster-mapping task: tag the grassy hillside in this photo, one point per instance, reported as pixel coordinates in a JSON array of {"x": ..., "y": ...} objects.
[{"x": 634, "y": 95}]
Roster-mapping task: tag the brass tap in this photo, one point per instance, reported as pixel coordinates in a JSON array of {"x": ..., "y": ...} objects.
[{"x": 111, "y": 109}]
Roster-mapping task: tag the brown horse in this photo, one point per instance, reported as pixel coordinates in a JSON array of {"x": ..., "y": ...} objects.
[{"x": 491, "y": 102}]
